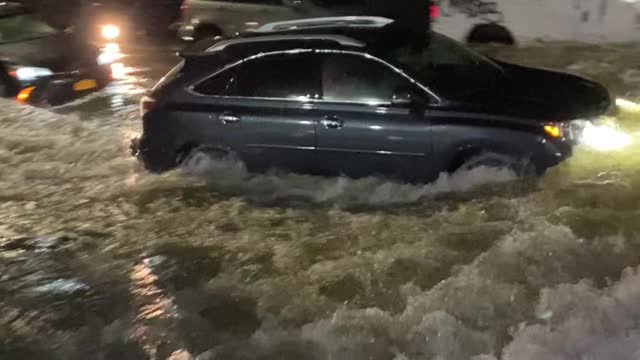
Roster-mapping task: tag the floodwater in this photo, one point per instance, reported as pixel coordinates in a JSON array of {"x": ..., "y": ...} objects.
[{"x": 100, "y": 260}]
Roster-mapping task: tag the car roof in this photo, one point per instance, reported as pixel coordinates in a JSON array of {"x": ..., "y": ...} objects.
[
  {"x": 360, "y": 33},
  {"x": 10, "y": 8}
]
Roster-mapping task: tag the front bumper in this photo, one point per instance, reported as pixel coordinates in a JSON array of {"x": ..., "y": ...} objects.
[{"x": 555, "y": 152}]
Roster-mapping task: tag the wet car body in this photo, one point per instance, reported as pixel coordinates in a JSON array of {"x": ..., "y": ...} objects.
[
  {"x": 55, "y": 66},
  {"x": 437, "y": 109}
]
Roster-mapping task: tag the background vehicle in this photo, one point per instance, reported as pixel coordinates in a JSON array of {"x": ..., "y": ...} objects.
[
  {"x": 346, "y": 96},
  {"x": 202, "y": 18},
  {"x": 42, "y": 65},
  {"x": 510, "y": 21}
]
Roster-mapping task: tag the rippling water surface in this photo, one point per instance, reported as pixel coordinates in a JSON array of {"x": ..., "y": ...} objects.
[{"x": 100, "y": 260}]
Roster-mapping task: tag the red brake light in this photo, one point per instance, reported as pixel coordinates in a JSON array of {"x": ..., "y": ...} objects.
[
  {"x": 434, "y": 12},
  {"x": 183, "y": 8},
  {"x": 146, "y": 104}
]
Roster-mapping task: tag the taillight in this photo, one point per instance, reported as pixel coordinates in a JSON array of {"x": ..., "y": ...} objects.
[
  {"x": 183, "y": 8},
  {"x": 146, "y": 104},
  {"x": 434, "y": 12}
]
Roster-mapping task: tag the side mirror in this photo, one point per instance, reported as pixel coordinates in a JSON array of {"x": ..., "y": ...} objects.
[{"x": 402, "y": 97}]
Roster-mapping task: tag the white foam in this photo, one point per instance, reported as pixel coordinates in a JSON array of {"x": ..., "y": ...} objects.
[
  {"x": 580, "y": 321},
  {"x": 229, "y": 175}
]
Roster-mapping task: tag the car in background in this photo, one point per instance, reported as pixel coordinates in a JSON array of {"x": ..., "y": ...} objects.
[
  {"x": 210, "y": 18},
  {"x": 349, "y": 96},
  {"x": 517, "y": 21},
  {"x": 472, "y": 21},
  {"x": 45, "y": 66}
]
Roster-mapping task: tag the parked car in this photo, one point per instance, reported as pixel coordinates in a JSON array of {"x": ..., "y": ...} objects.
[
  {"x": 511, "y": 21},
  {"x": 204, "y": 18},
  {"x": 42, "y": 65},
  {"x": 348, "y": 96}
]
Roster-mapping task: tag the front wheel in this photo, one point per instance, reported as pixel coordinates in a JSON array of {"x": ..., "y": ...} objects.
[{"x": 521, "y": 167}]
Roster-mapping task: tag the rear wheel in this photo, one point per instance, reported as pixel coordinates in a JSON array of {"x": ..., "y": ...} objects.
[
  {"x": 205, "y": 31},
  {"x": 204, "y": 159}
]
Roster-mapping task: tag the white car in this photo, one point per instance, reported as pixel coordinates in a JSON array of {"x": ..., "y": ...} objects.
[
  {"x": 205, "y": 18},
  {"x": 511, "y": 21},
  {"x": 501, "y": 21}
]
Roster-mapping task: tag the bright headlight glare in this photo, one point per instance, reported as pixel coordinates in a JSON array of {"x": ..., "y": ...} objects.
[
  {"x": 604, "y": 137},
  {"x": 28, "y": 73},
  {"x": 627, "y": 105},
  {"x": 110, "y": 32},
  {"x": 108, "y": 58}
]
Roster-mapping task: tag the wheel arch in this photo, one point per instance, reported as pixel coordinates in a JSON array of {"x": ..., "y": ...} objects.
[
  {"x": 207, "y": 29},
  {"x": 485, "y": 33}
]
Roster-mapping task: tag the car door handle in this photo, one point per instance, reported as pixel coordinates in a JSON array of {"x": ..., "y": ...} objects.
[
  {"x": 228, "y": 118},
  {"x": 332, "y": 122}
]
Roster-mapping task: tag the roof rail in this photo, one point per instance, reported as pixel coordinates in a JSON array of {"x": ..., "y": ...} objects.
[
  {"x": 340, "y": 39},
  {"x": 337, "y": 21}
]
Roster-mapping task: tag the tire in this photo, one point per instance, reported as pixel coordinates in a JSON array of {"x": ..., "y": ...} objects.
[
  {"x": 490, "y": 33},
  {"x": 523, "y": 168},
  {"x": 206, "y": 30},
  {"x": 207, "y": 159}
]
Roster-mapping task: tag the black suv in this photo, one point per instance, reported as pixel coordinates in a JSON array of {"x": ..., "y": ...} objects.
[{"x": 349, "y": 96}]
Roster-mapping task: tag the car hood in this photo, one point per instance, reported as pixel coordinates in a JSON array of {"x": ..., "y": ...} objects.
[
  {"x": 59, "y": 52},
  {"x": 540, "y": 94}
]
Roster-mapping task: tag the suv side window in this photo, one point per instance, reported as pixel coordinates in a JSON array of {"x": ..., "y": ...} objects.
[
  {"x": 354, "y": 78},
  {"x": 222, "y": 84},
  {"x": 280, "y": 76}
]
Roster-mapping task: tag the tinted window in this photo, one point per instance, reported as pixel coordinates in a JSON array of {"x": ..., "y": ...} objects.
[
  {"x": 290, "y": 76},
  {"x": 222, "y": 84},
  {"x": 446, "y": 66},
  {"x": 355, "y": 78}
]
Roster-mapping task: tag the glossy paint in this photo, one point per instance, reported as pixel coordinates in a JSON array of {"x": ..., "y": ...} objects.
[{"x": 414, "y": 140}]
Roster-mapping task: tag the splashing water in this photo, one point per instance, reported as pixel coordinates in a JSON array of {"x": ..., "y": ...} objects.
[{"x": 99, "y": 259}]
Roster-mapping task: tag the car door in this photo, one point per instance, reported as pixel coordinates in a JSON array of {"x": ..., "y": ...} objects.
[
  {"x": 266, "y": 114},
  {"x": 360, "y": 130}
]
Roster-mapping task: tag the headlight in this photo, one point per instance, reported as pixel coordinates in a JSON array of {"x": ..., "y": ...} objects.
[
  {"x": 110, "y": 32},
  {"x": 600, "y": 136},
  {"x": 28, "y": 73}
]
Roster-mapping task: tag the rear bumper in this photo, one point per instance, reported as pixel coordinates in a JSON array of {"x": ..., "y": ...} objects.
[
  {"x": 62, "y": 88},
  {"x": 154, "y": 158},
  {"x": 186, "y": 32}
]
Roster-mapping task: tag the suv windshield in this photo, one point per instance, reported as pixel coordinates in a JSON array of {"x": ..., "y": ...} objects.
[
  {"x": 23, "y": 27},
  {"x": 444, "y": 62}
]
